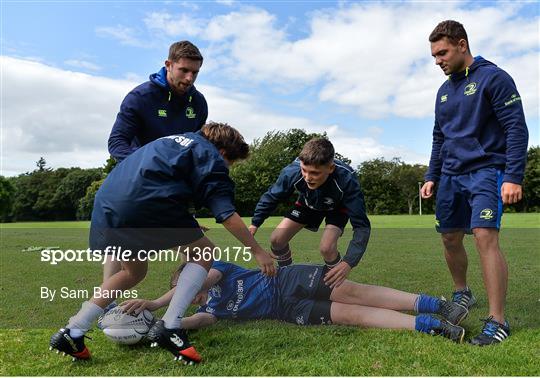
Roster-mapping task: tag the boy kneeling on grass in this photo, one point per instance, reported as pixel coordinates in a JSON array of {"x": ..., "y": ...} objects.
[
  {"x": 143, "y": 205},
  {"x": 298, "y": 294}
]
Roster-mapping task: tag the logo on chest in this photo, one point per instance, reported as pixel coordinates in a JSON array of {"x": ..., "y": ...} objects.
[
  {"x": 190, "y": 113},
  {"x": 470, "y": 89}
]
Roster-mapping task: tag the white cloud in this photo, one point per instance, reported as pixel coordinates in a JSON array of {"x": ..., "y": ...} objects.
[
  {"x": 371, "y": 57},
  {"x": 190, "y": 5},
  {"x": 257, "y": 48},
  {"x": 67, "y": 118},
  {"x": 62, "y": 115},
  {"x": 253, "y": 120},
  {"x": 525, "y": 72},
  {"x": 174, "y": 25},
  {"x": 125, "y": 35},
  {"x": 226, "y": 2},
  {"x": 134, "y": 77},
  {"x": 77, "y": 63}
]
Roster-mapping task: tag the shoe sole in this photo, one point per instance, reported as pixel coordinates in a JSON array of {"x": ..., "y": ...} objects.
[
  {"x": 84, "y": 355},
  {"x": 58, "y": 342}
]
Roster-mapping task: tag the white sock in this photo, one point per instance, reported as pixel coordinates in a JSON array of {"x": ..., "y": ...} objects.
[
  {"x": 80, "y": 324},
  {"x": 189, "y": 283}
]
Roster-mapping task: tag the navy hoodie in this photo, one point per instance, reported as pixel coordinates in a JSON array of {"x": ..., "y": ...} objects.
[
  {"x": 340, "y": 190},
  {"x": 154, "y": 186},
  {"x": 479, "y": 122},
  {"x": 151, "y": 111}
]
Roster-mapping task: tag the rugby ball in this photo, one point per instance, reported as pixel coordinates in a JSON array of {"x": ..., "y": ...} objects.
[{"x": 123, "y": 328}]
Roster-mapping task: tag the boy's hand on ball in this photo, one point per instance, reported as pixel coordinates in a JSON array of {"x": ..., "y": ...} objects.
[{"x": 136, "y": 306}]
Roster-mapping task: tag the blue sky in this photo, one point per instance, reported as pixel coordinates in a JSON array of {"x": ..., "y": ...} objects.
[{"x": 361, "y": 71}]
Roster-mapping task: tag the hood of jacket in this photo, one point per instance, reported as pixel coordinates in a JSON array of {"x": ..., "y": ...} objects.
[{"x": 478, "y": 62}]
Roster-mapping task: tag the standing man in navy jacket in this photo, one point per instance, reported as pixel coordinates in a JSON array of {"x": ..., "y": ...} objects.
[
  {"x": 167, "y": 104},
  {"x": 478, "y": 160}
]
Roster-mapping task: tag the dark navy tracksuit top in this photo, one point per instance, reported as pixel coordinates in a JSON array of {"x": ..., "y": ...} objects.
[
  {"x": 479, "y": 122},
  {"x": 151, "y": 111},
  {"x": 154, "y": 186},
  {"x": 341, "y": 190}
]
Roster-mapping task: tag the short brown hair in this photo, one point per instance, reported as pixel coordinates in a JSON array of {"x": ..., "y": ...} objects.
[
  {"x": 317, "y": 151},
  {"x": 450, "y": 29},
  {"x": 228, "y": 138},
  {"x": 184, "y": 49}
]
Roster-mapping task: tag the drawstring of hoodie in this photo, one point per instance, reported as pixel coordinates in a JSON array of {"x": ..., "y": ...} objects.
[
  {"x": 466, "y": 74},
  {"x": 170, "y": 95}
]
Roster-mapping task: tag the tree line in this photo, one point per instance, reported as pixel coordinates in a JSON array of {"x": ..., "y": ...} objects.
[{"x": 389, "y": 186}]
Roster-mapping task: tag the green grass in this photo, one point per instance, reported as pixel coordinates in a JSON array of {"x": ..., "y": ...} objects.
[
  {"x": 404, "y": 252},
  {"x": 511, "y": 220}
]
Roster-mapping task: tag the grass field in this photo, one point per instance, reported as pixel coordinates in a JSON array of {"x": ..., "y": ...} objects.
[{"x": 404, "y": 252}]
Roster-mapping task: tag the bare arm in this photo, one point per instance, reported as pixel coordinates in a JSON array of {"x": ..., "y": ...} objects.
[
  {"x": 212, "y": 278},
  {"x": 138, "y": 305},
  {"x": 236, "y": 226},
  {"x": 199, "y": 320}
]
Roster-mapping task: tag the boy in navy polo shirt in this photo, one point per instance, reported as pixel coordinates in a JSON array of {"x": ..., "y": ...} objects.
[{"x": 297, "y": 294}]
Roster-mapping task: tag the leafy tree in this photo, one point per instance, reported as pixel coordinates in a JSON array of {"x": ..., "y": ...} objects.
[
  {"x": 391, "y": 186},
  {"x": 7, "y": 193},
  {"x": 381, "y": 192},
  {"x": 51, "y": 194},
  {"x": 71, "y": 189},
  {"x": 41, "y": 163},
  {"x": 86, "y": 203},
  {"x": 531, "y": 183},
  {"x": 109, "y": 165},
  {"x": 47, "y": 205},
  {"x": 30, "y": 192},
  {"x": 407, "y": 178}
]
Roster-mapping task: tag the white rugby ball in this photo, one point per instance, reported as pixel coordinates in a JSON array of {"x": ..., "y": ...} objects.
[{"x": 123, "y": 328}]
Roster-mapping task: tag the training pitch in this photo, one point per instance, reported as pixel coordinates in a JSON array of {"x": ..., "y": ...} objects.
[{"x": 404, "y": 252}]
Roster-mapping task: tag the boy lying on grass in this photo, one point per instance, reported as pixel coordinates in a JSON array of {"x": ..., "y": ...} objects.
[{"x": 298, "y": 294}]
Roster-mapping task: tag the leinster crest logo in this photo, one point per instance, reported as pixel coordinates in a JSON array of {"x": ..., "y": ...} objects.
[
  {"x": 470, "y": 89},
  {"x": 486, "y": 214},
  {"x": 190, "y": 113}
]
